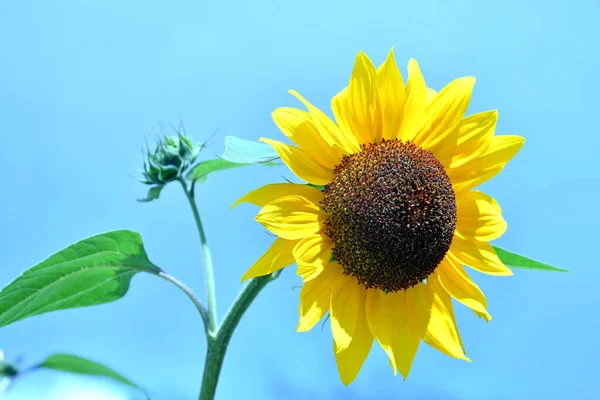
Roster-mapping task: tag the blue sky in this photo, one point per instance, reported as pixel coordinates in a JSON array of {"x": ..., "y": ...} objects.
[{"x": 81, "y": 86}]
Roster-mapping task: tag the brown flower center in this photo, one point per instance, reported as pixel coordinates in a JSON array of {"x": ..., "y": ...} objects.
[{"x": 391, "y": 214}]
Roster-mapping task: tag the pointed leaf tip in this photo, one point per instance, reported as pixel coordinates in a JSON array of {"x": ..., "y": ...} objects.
[
  {"x": 79, "y": 365},
  {"x": 517, "y": 261}
]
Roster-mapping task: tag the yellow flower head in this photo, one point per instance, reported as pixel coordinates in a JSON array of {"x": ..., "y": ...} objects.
[{"x": 382, "y": 245}]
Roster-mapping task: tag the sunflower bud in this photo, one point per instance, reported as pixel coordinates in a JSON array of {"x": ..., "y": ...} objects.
[{"x": 172, "y": 156}]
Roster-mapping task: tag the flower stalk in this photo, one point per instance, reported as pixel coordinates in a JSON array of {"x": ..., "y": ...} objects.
[
  {"x": 208, "y": 265},
  {"x": 215, "y": 353},
  {"x": 217, "y": 337}
]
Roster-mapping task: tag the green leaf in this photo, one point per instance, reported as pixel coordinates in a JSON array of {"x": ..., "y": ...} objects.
[
  {"x": 201, "y": 170},
  {"x": 153, "y": 194},
  {"x": 79, "y": 365},
  {"x": 513, "y": 260},
  {"x": 242, "y": 151},
  {"x": 93, "y": 271}
]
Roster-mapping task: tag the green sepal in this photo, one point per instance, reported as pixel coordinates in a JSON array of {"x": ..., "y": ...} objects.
[
  {"x": 320, "y": 187},
  {"x": 517, "y": 261},
  {"x": 153, "y": 194},
  {"x": 171, "y": 158},
  {"x": 167, "y": 173}
]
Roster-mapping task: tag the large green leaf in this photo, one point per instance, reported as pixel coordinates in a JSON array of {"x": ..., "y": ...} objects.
[
  {"x": 79, "y": 365},
  {"x": 93, "y": 271},
  {"x": 513, "y": 260},
  {"x": 242, "y": 151}
]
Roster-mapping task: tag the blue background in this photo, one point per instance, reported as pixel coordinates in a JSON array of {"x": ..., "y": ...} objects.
[{"x": 81, "y": 86}]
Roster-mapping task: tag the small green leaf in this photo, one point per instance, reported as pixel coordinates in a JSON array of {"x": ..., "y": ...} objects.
[
  {"x": 153, "y": 194},
  {"x": 79, "y": 365},
  {"x": 93, "y": 271},
  {"x": 513, "y": 260},
  {"x": 200, "y": 171},
  {"x": 242, "y": 151}
]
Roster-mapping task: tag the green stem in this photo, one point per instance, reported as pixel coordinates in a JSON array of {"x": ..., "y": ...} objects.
[
  {"x": 208, "y": 266},
  {"x": 189, "y": 294},
  {"x": 215, "y": 352},
  {"x": 217, "y": 338}
]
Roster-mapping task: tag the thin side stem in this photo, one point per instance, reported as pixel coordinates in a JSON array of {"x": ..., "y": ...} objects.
[
  {"x": 189, "y": 294},
  {"x": 216, "y": 350},
  {"x": 208, "y": 265}
]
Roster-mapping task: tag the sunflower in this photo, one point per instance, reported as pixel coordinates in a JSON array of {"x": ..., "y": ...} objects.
[{"x": 389, "y": 215}]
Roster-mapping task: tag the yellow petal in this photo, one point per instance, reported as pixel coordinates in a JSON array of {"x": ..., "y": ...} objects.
[
  {"x": 431, "y": 312},
  {"x": 277, "y": 257},
  {"x": 315, "y": 296},
  {"x": 266, "y": 194},
  {"x": 479, "y": 217},
  {"x": 458, "y": 284},
  {"x": 381, "y": 318},
  {"x": 299, "y": 127},
  {"x": 300, "y": 163},
  {"x": 436, "y": 287},
  {"x": 328, "y": 129},
  {"x": 387, "y": 315},
  {"x": 291, "y": 217},
  {"x": 361, "y": 99},
  {"x": 341, "y": 113},
  {"x": 390, "y": 90},
  {"x": 474, "y": 134},
  {"x": 345, "y": 300},
  {"x": 312, "y": 254},
  {"x": 393, "y": 364},
  {"x": 478, "y": 255},
  {"x": 414, "y": 106},
  {"x": 350, "y": 360},
  {"x": 489, "y": 164},
  {"x": 429, "y": 95},
  {"x": 445, "y": 112}
]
